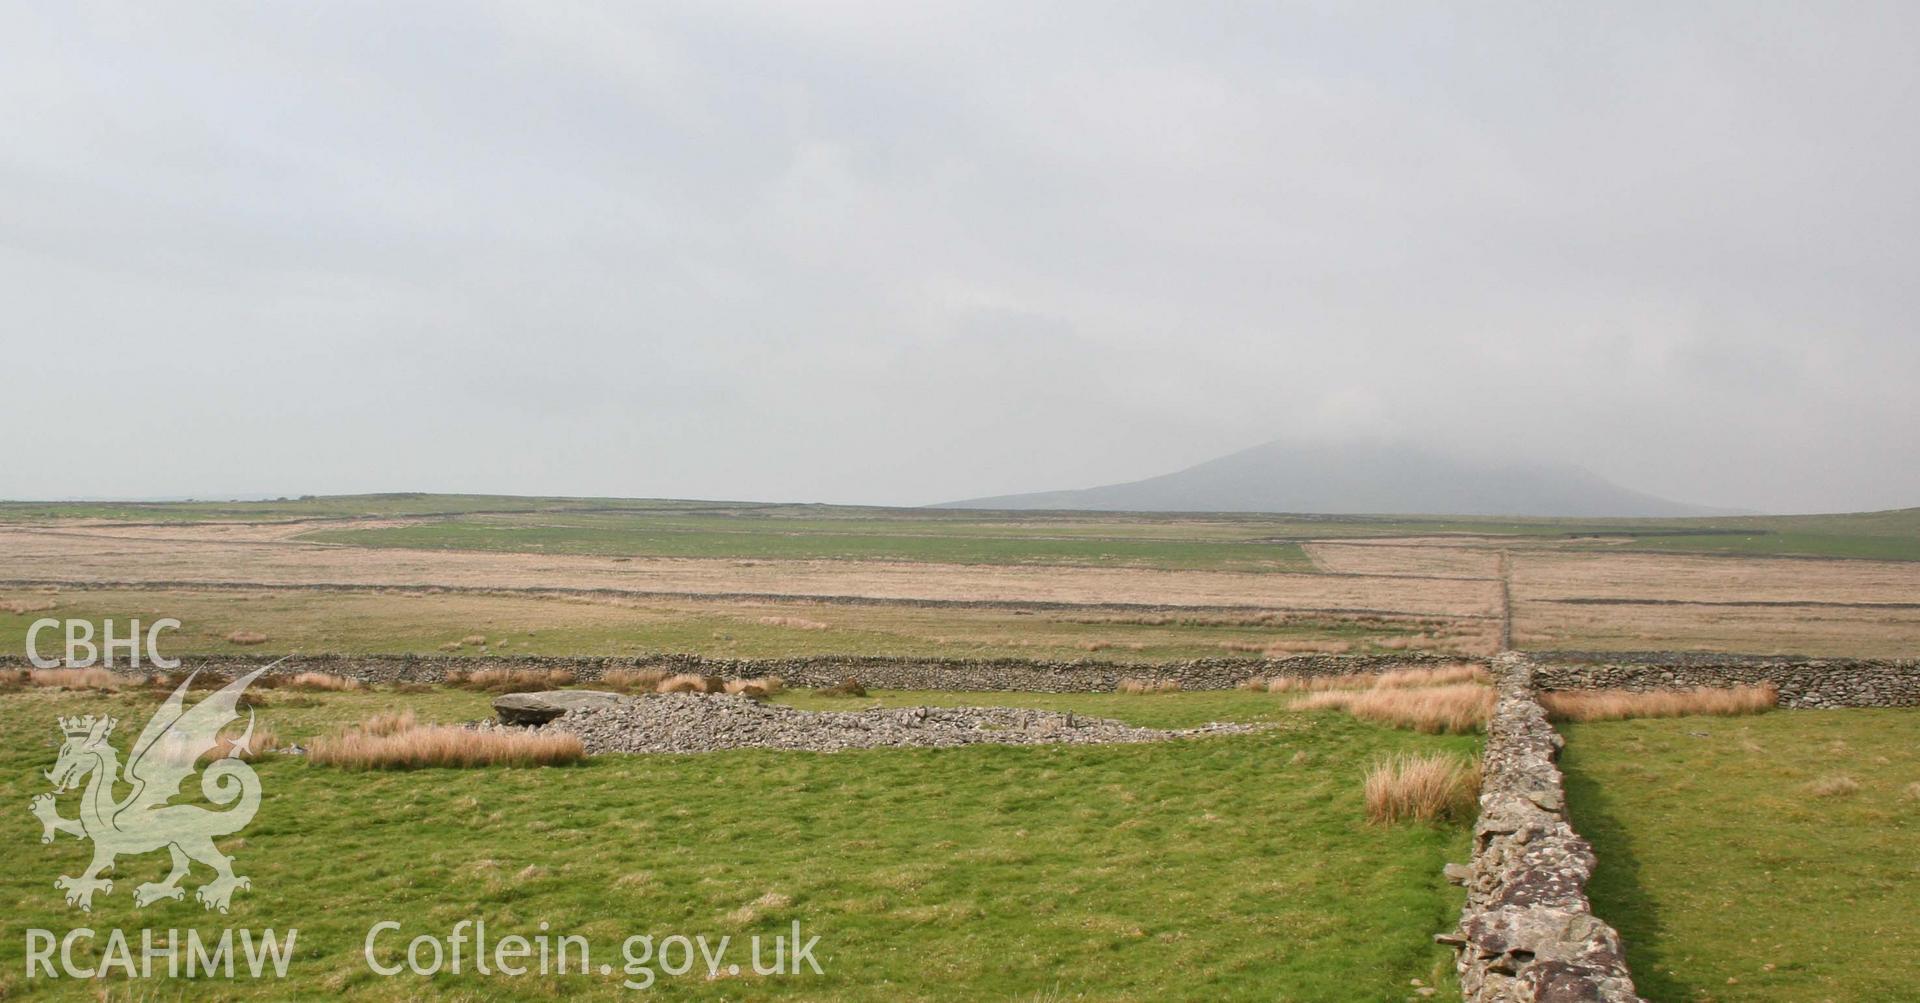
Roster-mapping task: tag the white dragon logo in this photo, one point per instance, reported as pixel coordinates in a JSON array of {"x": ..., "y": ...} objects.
[{"x": 162, "y": 758}]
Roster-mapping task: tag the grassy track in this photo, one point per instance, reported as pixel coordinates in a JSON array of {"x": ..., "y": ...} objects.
[
  {"x": 1234, "y": 868},
  {"x": 1731, "y": 878}
]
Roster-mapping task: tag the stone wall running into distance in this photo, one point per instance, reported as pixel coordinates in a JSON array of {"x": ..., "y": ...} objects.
[
  {"x": 1803, "y": 682},
  {"x": 1527, "y": 933},
  {"x": 882, "y": 672}
]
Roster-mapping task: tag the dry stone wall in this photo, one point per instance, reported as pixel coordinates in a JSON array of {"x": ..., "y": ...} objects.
[
  {"x": 1527, "y": 933},
  {"x": 885, "y": 672},
  {"x": 1803, "y": 682}
]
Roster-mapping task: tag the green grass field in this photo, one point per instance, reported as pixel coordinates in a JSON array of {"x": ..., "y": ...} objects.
[
  {"x": 1235, "y": 541},
  {"x": 1731, "y": 878},
  {"x": 631, "y": 535},
  {"x": 1226, "y": 868}
]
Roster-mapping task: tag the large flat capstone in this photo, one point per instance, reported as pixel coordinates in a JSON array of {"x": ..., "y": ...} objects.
[{"x": 544, "y": 706}]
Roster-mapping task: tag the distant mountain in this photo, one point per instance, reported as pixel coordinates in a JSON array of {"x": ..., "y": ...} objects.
[{"x": 1358, "y": 479}]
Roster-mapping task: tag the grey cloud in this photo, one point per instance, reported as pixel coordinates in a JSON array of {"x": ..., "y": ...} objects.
[{"x": 907, "y": 253}]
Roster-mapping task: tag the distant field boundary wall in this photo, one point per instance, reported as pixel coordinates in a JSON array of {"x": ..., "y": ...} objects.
[
  {"x": 882, "y": 672},
  {"x": 1808, "y": 683},
  {"x": 783, "y": 598}
]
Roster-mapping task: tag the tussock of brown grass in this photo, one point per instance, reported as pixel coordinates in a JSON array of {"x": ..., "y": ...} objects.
[
  {"x": 1142, "y": 686},
  {"x": 246, "y": 637},
  {"x": 450, "y": 646},
  {"x": 764, "y": 686},
  {"x": 848, "y": 687},
  {"x": 689, "y": 682},
  {"x": 1459, "y": 708},
  {"x": 796, "y": 622},
  {"x": 1408, "y": 678},
  {"x": 1429, "y": 788},
  {"x": 1619, "y": 705},
  {"x": 207, "y": 680},
  {"x": 445, "y": 746},
  {"x": 632, "y": 680},
  {"x": 265, "y": 742},
  {"x": 382, "y": 725},
  {"x": 75, "y": 679},
  {"x": 323, "y": 681},
  {"x": 510, "y": 680},
  {"x": 25, "y": 606},
  {"x": 1439, "y": 675},
  {"x": 1306, "y": 647},
  {"x": 474, "y": 640},
  {"x": 1913, "y": 792},
  {"x": 1835, "y": 785}
]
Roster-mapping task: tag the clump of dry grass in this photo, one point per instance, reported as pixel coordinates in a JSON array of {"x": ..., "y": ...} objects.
[
  {"x": 206, "y": 680},
  {"x": 691, "y": 682},
  {"x": 393, "y": 723},
  {"x": 1143, "y": 686},
  {"x": 264, "y": 742},
  {"x": 764, "y": 686},
  {"x": 246, "y": 637},
  {"x": 1433, "y": 710},
  {"x": 25, "y": 606},
  {"x": 1834, "y": 785},
  {"x": 1429, "y": 788},
  {"x": 796, "y": 622},
  {"x": 474, "y": 640},
  {"x": 1619, "y": 705},
  {"x": 74, "y": 679},
  {"x": 1276, "y": 649},
  {"x": 632, "y": 680},
  {"x": 1913, "y": 792},
  {"x": 1438, "y": 675},
  {"x": 510, "y": 680},
  {"x": 326, "y": 681},
  {"x": 445, "y": 746},
  {"x": 848, "y": 687}
]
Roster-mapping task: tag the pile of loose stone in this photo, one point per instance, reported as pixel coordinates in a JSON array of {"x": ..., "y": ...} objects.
[{"x": 686, "y": 722}]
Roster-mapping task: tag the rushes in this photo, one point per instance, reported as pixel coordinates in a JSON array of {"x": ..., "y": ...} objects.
[
  {"x": 1837, "y": 785},
  {"x": 1408, "y": 678},
  {"x": 75, "y": 679},
  {"x": 323, "y": 681},
  {"x": 632, "y": 680},
  {"x": 510, "y": 680},
  {"x": 400, "y": 742},
  {"x": 1143, "y": 686},
  {"x": 764, "y": 686},
  {"x": 1458, "y": 708},
  {"x": 445, "y": 746},
  {"x": 1427, "y": 788},
  {"x": 1619, "y": 705}
]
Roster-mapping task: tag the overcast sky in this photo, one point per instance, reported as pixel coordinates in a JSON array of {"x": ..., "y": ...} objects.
[{"x": 909, "y": 252}]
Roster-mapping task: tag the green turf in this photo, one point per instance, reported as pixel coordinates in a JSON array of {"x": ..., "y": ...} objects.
[
  {"x": 1730, "y": 879},
  {"x": 1224, "y": 868},
  {"x": 629, "y": 535},
  {"x": 1236, "y": 541}
]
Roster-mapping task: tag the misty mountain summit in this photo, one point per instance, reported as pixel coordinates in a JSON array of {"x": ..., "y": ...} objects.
[{"x": 1358, "y": 478}]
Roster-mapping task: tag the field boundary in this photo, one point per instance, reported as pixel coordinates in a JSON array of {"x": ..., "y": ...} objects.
[
  {"x": 1527, "y": 931},
  {"x": 893, "y": 672},
  {"x": 1037, "y": 605}
]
